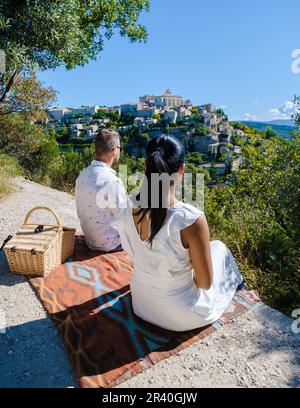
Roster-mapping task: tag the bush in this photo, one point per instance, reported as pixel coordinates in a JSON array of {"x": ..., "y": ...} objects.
[
  {"x": 9, "y": 169},
  {"x": 64, "y": 171},
  {"x": 258, "y": 217},
  {"x": 194, "y": 157},
  {"x": 29, "y": 144},
  {"x": 201, "y": 130}
]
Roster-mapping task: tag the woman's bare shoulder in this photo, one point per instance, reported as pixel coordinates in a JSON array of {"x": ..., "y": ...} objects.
[{"x": 194, "y": 231}]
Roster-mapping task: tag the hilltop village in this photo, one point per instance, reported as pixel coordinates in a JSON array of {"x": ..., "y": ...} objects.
[{"x": 203, "y": 129}]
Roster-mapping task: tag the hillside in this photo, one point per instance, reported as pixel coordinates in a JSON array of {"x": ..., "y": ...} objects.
[
  {"x": 283, "y": 130},
  {"x": 281, "y": 122}
]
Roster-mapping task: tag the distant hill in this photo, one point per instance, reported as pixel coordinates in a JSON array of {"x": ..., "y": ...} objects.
[
  {"x": 283, "y": 130},
  {"x": 281, "y": 122}
]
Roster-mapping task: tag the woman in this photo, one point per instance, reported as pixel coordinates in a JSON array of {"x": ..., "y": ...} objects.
[{"x": 181, "y": 280}]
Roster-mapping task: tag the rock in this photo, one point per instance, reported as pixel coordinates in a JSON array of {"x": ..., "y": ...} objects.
[{"x": 197, "y": 367}]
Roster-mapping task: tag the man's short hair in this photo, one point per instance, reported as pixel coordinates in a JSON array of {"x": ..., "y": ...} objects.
[{"x": 106, "y": 140}]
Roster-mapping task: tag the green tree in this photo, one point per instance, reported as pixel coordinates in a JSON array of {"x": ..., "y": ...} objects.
[
  {"x": 258, "y": 216},
  {"x": 30, "y": 144},
  {"x": 77, "y": 115},
  {"x": 221, "y": 112},
  {"x": 144, "y": 138},
  {"x": 297, "y": 115},
  {"x": 103, "y": 113},
  {"x": 201, "y": 130},
  {"x": 156, "y": 116},
  {"x": 248, "y": 130},
  {"x": 194, "y": 157},
  {"x": 48, "y": 34},
  {"x": 270, "y": 133},
  {"x": 29, "y": 98},
  {"x": 9, "y": 168},
  {"x": 62, "y": 134},
  {"x": 64, "y": 170},
  {"x": 127, "y": 119},
  {"x": 197, "y": 118}
]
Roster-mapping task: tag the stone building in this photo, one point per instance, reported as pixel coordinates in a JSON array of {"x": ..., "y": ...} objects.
[
  {"x": 201, "y": 143},
  {"x": 166, "y": 100},
  {"x": 58, "y": 114}
]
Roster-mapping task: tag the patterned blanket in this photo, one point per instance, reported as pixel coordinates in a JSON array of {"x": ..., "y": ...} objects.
[{"x": 89, "y": 299}]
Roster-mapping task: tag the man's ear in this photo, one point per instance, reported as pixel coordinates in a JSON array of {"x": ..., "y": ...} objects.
[{"x": 181, "y": 169}]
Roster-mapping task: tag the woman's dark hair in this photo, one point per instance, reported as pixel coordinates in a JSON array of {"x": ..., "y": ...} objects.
[{"x": 164, "y": 155}]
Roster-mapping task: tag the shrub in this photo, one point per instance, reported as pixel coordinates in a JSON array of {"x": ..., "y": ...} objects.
[
  {"x": 9, "y": 169},
  {"x": 258, "y": 217},
  {"x": 29, "y": 144},
  {"x": 64, "y": 171}
]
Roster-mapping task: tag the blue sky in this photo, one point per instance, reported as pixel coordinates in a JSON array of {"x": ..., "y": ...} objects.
[{"x": 236, "y": 54}]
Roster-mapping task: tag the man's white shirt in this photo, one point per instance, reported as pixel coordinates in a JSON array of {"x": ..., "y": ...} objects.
[{"x": 99, "y": 195}]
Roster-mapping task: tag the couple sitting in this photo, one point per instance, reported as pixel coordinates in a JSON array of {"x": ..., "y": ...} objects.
[{"x": 181, "y": 280}]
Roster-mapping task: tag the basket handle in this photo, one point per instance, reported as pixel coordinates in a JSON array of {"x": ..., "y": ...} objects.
[{"x": 46, "y": 209}]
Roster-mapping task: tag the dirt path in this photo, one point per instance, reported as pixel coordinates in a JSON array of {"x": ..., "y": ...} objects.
[{"x": 258, "y": 349}]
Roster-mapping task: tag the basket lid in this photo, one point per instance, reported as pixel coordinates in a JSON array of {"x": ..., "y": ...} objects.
[{"x": 27, "y": 239}]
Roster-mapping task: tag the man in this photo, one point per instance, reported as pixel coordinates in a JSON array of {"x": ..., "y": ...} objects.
[{"x": 100, "y": 194}]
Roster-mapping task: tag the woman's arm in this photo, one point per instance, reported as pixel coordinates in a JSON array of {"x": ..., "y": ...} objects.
[{"x": 196, "y": 237}]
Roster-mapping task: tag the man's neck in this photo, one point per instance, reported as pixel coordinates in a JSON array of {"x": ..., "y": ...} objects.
[{"x": 108, "y": 162}]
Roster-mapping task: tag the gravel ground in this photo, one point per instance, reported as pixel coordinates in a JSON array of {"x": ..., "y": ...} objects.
[
  {"x": 32, "y": 352},
  {"x": 259, "y": 349}
]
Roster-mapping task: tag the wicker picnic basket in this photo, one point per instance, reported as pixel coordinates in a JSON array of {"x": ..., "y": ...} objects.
[
  {"x": 68, "y": 243},
  {"x": 37, "y": 249}
]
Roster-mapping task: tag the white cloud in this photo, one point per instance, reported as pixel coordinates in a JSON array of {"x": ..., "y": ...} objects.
[
  {"x": 256, "y": 102},
  {"x": 250, "y": 117},
  {"x": 223, "y": 106},
  {"x": 284, "y": 112}
]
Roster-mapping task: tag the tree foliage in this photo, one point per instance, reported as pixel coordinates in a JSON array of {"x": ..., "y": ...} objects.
[
  {"x": 64, "y": 171},
  {"x": 297, "y": 115},
  {"x": 246, "y": 129},
  {"x": 201, "y": 130},
  {"x": 48, "y": 34},
  {"x": 28, "y": 143},
  {"x": 270, "y": 133},
  {"x": 194, "y": 157},
  {"x": 258, "y": 216},
  {"x": 9, "y": 169},
  {"x": 29, "y": 98}
]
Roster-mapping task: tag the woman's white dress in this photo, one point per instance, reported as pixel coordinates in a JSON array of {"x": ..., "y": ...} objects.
[{"x": 162, "y": 286}]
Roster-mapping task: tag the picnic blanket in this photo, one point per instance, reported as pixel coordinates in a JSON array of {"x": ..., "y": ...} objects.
[{"x": 89, "y": 299}]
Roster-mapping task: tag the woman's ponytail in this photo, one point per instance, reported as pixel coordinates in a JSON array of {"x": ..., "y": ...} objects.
[{"x": 165, "y": 155}]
